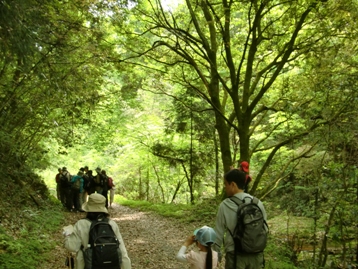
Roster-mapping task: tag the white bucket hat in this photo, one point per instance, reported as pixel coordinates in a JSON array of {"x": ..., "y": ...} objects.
[{"x": 96, "y": 203}]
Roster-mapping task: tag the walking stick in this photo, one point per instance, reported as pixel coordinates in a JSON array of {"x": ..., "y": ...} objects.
[{"x": 70, "y": 262}]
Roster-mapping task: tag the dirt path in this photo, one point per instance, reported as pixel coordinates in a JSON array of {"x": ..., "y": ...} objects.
[{"x": 152, "y": 241}]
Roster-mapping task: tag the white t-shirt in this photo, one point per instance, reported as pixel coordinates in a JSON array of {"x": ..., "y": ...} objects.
[{"x": 196, "y": 259}]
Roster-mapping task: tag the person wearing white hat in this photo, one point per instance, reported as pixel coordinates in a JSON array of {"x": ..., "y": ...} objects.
[
  {"x": 77, "y": 236},
  {"x": 206, "y": 258}
]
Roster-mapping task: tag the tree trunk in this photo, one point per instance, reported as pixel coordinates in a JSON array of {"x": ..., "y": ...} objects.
[
  {"x": 217, "y": 176},
  {"x": 159, "y": 184},
  {"x": 147, "y": 186},
  {"x": 322, "y": 257},
  {"x": 224, "y": 140},
  {"x": 176, "y": 190},
  {"x": 140, "y": 191}
]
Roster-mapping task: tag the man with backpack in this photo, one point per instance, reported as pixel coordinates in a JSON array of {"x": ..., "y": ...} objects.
[
  {"x": 86, "y": 184},
  {"x": 96, "y": 239},
  {"x": 241, "y": 218},
  {"x": 58, "y": 184},
  {"x": 76, "y": 191},
  {"x": 99, "y": 181},
  {"x": 111, "y": 187},
  {"x": 105, "y": 186},
  {"x": 66, "y": 198}
]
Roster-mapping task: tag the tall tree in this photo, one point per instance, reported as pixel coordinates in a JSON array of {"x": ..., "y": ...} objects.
[
  {"x": 50, "y": 71},
  {"x": 235, "y": 55}
]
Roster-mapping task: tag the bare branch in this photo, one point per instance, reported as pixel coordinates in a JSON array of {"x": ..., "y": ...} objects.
[{"x": 267, "y": 191}]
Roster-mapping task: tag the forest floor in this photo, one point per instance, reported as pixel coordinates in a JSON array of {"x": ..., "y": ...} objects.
[{"x": 152, "y": 241}]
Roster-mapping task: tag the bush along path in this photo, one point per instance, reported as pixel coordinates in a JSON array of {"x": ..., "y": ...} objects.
[{"x": 152, "y": 241}]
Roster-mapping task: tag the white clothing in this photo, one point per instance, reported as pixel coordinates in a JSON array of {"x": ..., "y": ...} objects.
[
  {"x": 80, "y": 236},
  {"x": 111, "y": 195},
  {"x": 196, "y": 259}
]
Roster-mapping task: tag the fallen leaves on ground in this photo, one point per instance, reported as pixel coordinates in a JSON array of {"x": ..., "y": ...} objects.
[{"x": 152, "y": 241}]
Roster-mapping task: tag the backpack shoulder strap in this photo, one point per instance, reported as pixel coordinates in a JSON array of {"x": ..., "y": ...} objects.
[
  {"x": 100, "y": 219},
  {"x": 236, "y": 200},
  {"x": 255, "y": 200},
  {"x": 82, "y": 246},
  {"x": 239, "y": 202}
]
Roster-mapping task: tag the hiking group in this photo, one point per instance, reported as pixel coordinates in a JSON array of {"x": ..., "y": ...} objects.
[
  {"x": 241, "y": 231},
  {"x": 73, "y": 190}
]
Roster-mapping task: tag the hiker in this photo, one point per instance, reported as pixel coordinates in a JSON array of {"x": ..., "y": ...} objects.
[
  {"x": 77, "y": 236},
  {"x": 244, "y": 166},
  {"x": 91, "y": 184},
  {"x": 206, "y": 258},
  {"x": 98, "y": 181},
  {"x": 58, "y": 184},
  {"x": 105, "y": 186},
  {"x": 226, "y": 220},
  {"x": 112, "y": 189},
  {"x": 76, "y": 191},
  {"x": 66, "y": 189},
  {"x": 85, "y": 184}
]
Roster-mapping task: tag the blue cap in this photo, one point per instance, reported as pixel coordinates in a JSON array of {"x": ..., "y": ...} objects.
[{"x": 205, "y": 235}]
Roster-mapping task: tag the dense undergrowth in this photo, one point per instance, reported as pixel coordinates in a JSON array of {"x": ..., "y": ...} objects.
[
  {"x": 186, "y": 213},
  {"x": 28, "y": 217}
]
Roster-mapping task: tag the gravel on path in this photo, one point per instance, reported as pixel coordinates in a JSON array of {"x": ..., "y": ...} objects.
[{"x": 152, "y": 241}]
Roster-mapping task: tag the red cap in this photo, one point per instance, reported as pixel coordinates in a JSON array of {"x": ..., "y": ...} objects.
[{"x": 244, "y": 166}]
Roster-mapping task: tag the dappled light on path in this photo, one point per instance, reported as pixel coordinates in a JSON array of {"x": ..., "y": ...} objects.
[{"x": 152, "y": 241}]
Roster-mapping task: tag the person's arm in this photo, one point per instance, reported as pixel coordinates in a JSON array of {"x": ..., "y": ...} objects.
[
  {"x": 181, "y": 256},
  {"x": 73, "y": 240},
  {"x": 262, "y": 207},
  {"x": 220, "y": 228},
  {"x": 126, "y": 262}
]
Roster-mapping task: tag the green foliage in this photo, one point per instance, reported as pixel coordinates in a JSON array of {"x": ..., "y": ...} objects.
[
  {"x": 146, "y": 93},
  {"x": 29, "y": 248},
  {"x": 167, "y": 210},
  {"x": 278, "y": 254},
  {"x": 260, "y": 79},
  {"x": 205, "y": 211},
  {"x": 324, "y": 197},
  {"x": 29, "y": 217}
]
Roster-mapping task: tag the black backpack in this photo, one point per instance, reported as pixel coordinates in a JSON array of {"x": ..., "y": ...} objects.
[
  {"x": 99, "y": 180},
  {"x": 105, "y": 182},
  {"x": 251, "y": 230},
  {"x": 86, "y": 182},
  {"x": 64, "y": 180},
  {"x": 103, "y": 251}
]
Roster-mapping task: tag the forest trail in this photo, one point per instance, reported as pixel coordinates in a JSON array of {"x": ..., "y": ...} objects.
[{"x": 152, "y": 241}]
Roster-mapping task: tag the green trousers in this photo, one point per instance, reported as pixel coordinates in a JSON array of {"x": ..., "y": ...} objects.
[{"x": 244, "y": 261}]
